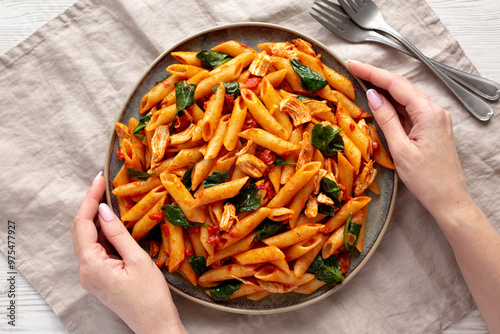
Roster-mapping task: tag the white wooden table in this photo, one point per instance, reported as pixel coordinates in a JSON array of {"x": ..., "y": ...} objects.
[{"x": 474, "y": 23}]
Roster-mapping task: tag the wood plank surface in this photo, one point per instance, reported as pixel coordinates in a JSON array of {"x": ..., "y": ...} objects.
[{"x": 474, "y": 23}]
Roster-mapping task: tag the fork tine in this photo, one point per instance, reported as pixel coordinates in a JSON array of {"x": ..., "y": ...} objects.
[
  {"x": 347, "y": 8},
  {"x": 327, "y": 24},
  {"x": 331, "y": 11}
]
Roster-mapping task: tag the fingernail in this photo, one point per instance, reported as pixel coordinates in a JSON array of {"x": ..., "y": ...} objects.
[
  {"x": 97, "y": 177},
  {"x": 374, "y": 99},
  {"x": 354, "y": 61},
  {"x": 105, "y": 212}
]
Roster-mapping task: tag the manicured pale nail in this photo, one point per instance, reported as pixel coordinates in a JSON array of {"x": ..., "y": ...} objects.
[
  {"x": 354, "y": 61},
  {"x": 105, "y": 212},
  {"x": 97, "y": 177},
  {"x": 374, "y": 99}
]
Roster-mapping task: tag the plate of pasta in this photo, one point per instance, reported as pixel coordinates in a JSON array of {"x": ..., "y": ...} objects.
[{"x": 247, "y": 164}]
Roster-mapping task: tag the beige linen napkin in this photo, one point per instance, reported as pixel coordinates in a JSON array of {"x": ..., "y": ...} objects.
[{"x": 62, "y": 89}]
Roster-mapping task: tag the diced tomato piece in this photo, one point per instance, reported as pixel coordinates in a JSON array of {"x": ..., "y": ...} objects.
[
  {"x": 344, "y": 262},
  {"x": 193, "y": 230},
  {"x": 213, "y": 235},
  {"x": 375, "y": 145},
  {"x": 119, "y": 153},
  {"x": 228, "y": 103},
  {"x": 154, "y": 248},
  {"x": 156, "y": 216},
  {"x": 251, "y": 83},
  {"x": 267, "y": 158},
  {"x": 188, "y": 252},
  {"x": 268, "y": 188},
  {"x": 229, "y": 267},
  {"x": 352, "y": 126},
  {"x": 250, "y": 123},
  {"x": 165, "y": 230},
  {"x": 181, "y": 123}
]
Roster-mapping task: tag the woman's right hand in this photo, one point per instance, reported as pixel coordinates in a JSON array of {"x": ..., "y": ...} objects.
[{"x": 422, "y": 144}]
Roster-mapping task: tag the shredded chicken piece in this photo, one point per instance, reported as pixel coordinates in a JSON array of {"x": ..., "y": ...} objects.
[
  {"x": 284, "y": 49},
  {"x": 317, "y": 179},
  {"x": 304, "y": 46},
  {"x": 260, "y": 65},
  {"x": 251, "y": 165},
  {"x": 306, "y": 148},
  {"x": 365, "y": 179},
  {"x": 296, "y": 109},
  {"x": 323, "y": 199},
  {"x": 317, "y": 107},
  {"x": 228, "y": 218},
  {"x": 245, "y": 149},
  {"x": 350, "y": 239},
  {"x": 311, "y": 210},
  {"x": 159, "y": 144}
]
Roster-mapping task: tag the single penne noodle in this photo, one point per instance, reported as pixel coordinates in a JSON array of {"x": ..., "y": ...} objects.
[
  {"x": 270, "y": 97},
  {"x": 185, "y": 71},
  {"x": 362, "y": 141},
  {"x": 300, "y": 248},
  {"x": 280, "y": 214},
  {"x": 303, "y": 219},
  {"x": 360, "y": 218},
  {"x": 146, "y": 223},
  {"x": 352, "y": 206},
  {"x": 137, "y": 187},
  {"x": 204, "y": 235},
  {"x": 198, "y": 248},
  {"x": 352, "y": 152},
  {"x": 184, "y": 136},
  {"x": 346, "y": 173},
  {"x": 182, "y": 197},
  {"x": 130, "y": 155},
  {"x": 145, "y": 204},
  {"x": 236, "y": 124},
  {"x": 259, "y": 295},
  {"x": 241, "y": 246},
  {"x": 197, "y": 113},
  {"x": 281, "y": 264},
  {"x": 302, "y": 263},
  {"x": 309, "y": 287},
  {"x": 227, "y": 74},
  {"x": 374, "y": 187},
  {"x": 293, "y": 236},
  {"x": 380, "y": 154},
  {"x": 215, "y": 143},
  {"x": 137, "y": 142},
  {"x": 271, "y": 273},
  {"x": 245, "y": 290},
  {"x": 262, "y": 115},
  {"x": 259, "y": 255},
  {"x": 219, "y": 192},
  {"x": 351, "y": 107},
  {"x": 175, "y": 246},
  {"x": 232, "y": 48},
  {"x": 124, "y": 203},
  {"x": 289, "y": 169},
  {"x": 227, "y": 272},
  {"x": 186, "y": 57},
  {"x": 187, "y": 271},
  {"x": 224, "y": 163},
  {"x": 157, "y": 94},
  {"x": 244, "y": 227},
  {"x": 185, "y": 157},
  {"x": 213, "y": 113},
  {"x": 161, "y": 117},
  {"x": 276, "y": 77},
  {"x": 200, "y": 171},
  {"x": 295, "y": 184},
  {"x": 275, "y": 177},
  {"x": 269, "y": 141},
  {"x": 333, "y": 243},
  {"x": 339, "y": 82}
]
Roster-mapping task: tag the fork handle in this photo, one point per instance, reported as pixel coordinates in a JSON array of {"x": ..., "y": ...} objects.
[
  {"x": 483, "y": 87},
  {"x": 472, "y": 103}
]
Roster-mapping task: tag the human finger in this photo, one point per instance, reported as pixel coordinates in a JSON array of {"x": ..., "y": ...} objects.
[
  {"x": 116, "y": 233},
  {"x": 83, "y": 228}
]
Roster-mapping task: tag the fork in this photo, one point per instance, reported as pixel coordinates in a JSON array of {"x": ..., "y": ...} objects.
[
  {"x": 336, "y": 20},
  {"x": 367, "y": 15}
]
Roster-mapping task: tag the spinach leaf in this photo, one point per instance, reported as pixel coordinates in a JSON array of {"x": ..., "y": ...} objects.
[
  {"x": 310, "y": 80},
  {"x": 142, "y": 124},
  {"x": 224, "y": 291},
  {"x": 268, "y": 228},
  {"x": 330, "y": 189},
  {"x": 165, "y": 78},
  {"x": 143, "y": 176},
  {"x": 326, "y": 210},
  {"x": 351, "y": 228},
  {"x": 326, "y": 270},
  {"x": 328, "y": 141},
  {"x": 212, "y": 59},
  {"x": 186, "y": 178},
  {"x": 232, "y": 87},
  {"x": 184, "y": 95},
  {"x": 280, "y": 162},
  {"x": 248, "y": 199},
  {"x": 176, "y": 217},
  {"x": 199, "y": 264},
  {"x": 215, "y": 178},
  {"x": 302, "y": 98}
]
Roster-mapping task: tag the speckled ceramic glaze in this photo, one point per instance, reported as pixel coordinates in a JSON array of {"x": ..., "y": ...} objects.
[{"x": 380, "y": 207}]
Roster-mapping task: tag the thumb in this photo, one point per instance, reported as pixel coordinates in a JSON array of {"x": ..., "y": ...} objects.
[
  {"x": 117, "y": 234},
  {"x": 387, "y": 118}
]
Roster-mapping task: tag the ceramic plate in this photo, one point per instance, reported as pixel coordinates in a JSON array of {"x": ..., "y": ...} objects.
[{"x": 380, "y": 207}]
